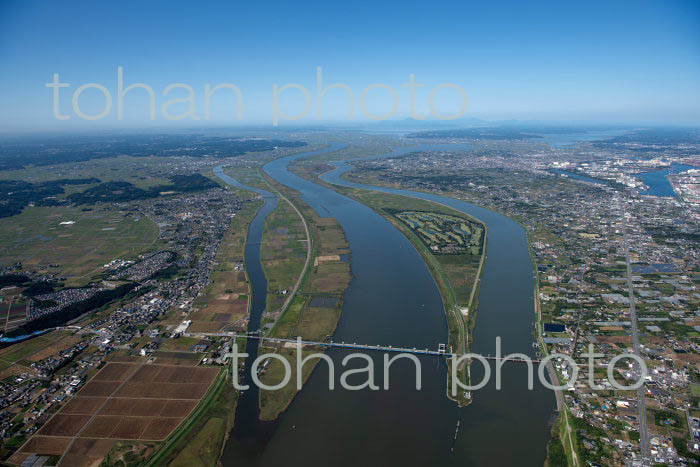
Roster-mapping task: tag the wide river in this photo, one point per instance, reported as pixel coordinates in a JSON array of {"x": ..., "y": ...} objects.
[{"x": 393, "y": 300}]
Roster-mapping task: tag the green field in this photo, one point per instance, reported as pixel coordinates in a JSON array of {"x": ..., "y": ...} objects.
[
  {"x": 695, "y": 389},
  {"x": 13, "y": 309},
  {"x": 283, "y": 253},
  {"x": 327, "y": 277},
  {"x": 143, "y": 172},
  {"x": 77, "y": 248},
  {"x": 18, "y": 354},
  {"x": 283, "y": 248}
]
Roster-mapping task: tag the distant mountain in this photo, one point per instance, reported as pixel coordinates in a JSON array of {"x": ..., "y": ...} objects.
[{"x": 495, "y": 133}]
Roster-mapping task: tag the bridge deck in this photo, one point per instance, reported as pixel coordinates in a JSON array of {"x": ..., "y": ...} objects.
[{"x": 380, "y": 348}]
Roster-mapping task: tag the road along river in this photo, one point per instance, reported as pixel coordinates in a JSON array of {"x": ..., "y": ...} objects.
[{"x": 393, "y": 300}]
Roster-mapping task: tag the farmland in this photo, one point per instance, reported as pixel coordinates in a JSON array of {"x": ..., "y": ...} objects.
[
  {"x": 224, "y": 302},
  {"x": 283, "y": 253},
  {"x": 283, "y": 249},
  {"x": 13, "y": 309},
  {"x": 18, "y": 357},
  {"x": 315, "y": 310},
  {"x": 123, "y": 401},
  {"x": 73, "y": 242}
]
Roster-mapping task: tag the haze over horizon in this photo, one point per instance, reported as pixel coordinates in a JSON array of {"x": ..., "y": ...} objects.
[{"x": 602, "y": 62}]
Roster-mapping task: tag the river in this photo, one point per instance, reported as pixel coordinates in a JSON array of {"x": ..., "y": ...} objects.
[
  {"x": 249, "y": 432},
  {"x": 657, "y": 180},
  {"x": 393, "y": 300}
]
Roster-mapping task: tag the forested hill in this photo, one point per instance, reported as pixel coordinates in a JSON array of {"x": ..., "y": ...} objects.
[
  {"x": 16, "y": 194},
  {"x": 125, "y": 191}
]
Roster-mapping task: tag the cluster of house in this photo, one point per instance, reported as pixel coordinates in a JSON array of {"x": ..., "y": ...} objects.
[{"x": 576, "y": 233}]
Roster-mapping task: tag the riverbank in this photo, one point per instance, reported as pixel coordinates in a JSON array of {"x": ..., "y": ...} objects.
[
  {"x": 566, "y": 435},
  {"x": 285, "y": 247},
  {"x": 296, "y": 256},
  {"x": 314, "y": 306},
  {"x": 394, "y": 300},
  {"x": 501, "y": 315},
  {"x": 456, "y": 276}
]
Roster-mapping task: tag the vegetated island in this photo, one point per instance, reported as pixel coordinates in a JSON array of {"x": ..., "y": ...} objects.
[{"x": 452, "y": 244}]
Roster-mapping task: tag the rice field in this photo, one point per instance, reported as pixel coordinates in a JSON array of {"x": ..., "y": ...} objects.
[{"x": 73, "y": 242}]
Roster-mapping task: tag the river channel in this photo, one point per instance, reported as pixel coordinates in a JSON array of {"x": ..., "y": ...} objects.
[{"x": 393, "y": 300}]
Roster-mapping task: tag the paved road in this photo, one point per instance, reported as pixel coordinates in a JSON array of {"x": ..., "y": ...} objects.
[{"x": 641, "y": 399}]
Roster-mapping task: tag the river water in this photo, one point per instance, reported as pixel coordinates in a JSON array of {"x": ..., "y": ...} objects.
[
  {"x": 656, "y": 180},
  {"x": 393, "y": 300},
  {"x": 658, "y": 183},
  {"x": 250, "y": 434}
]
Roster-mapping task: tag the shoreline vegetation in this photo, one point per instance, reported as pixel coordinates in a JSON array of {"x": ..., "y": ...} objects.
[
  {"x": 314, "y": 311},
  {"x": 565, "y": 434},
  {"x": 305, "y": 285},
  {"x": 285, "y": 234},
  {"x": 457, "y": 276},
  {"x": 284, "y": 251}
]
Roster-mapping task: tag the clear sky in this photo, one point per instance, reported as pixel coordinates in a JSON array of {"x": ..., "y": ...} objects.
[{"x": 606, "y": 61}]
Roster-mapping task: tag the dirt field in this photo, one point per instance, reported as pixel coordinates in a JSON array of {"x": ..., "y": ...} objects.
[
  {"x": 46, "y": 445},
  {"x": 64, "y": 425},
  {"x": 160, "y": 428},
  {"x": 224, "y": 303},
  {"x": 115, "y": 371},
  {"x": 163, "y": 390},
  {"x": 99, "y": 388},
  {"x": 83, "y": 405},
  {"x": 123, "y": 401},
  {"x": 87, "y": 452}
]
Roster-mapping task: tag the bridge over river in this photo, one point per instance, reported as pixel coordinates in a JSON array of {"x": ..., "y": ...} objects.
[{"x": 441, "y": 350}]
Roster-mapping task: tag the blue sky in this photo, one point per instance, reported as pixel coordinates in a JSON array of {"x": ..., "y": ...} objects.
[{"x": 605, "y": 61}]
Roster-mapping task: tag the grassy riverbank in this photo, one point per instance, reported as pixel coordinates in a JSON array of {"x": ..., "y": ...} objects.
[
  {"x": 314, "y": 311},
  {"x": 456, "y": 275},
  {"x": 305, "y": 287},
  {"x": 283, "y": 256}
]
